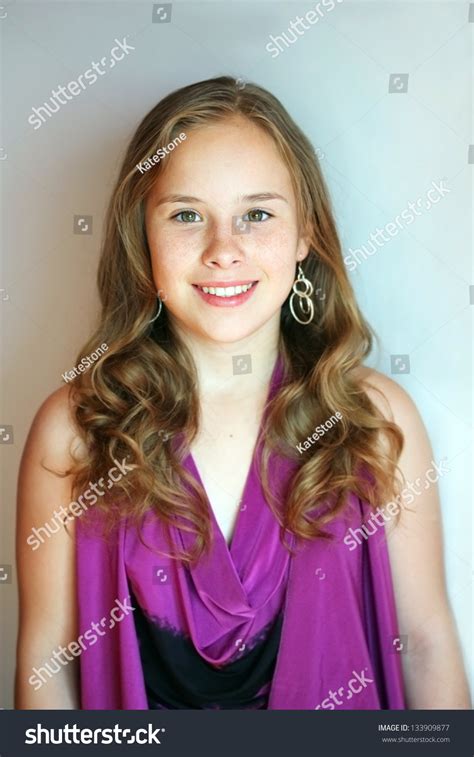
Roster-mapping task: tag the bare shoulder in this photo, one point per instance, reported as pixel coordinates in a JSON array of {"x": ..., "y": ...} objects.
[
  {"x": 391, "y": 399},
  {"x": 396, "y": 405},
  {"x": 53, "y": 435},
  {"x": 52, "y": 449}
]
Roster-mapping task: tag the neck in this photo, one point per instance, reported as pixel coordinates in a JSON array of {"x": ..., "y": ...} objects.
[{"x": 236, "y": 368}]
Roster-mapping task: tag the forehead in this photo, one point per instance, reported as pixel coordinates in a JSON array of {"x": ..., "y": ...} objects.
[{"x": 231, "y": 154}]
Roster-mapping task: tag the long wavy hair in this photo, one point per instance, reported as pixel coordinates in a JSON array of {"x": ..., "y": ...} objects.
[{"x": 140, "y": 400}]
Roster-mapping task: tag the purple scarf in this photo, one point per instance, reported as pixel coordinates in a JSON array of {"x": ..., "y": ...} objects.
[{"x": 339, "y": 622}]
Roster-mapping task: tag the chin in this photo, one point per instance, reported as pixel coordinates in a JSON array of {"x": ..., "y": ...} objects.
[
  {"x": 228, "y": 335},
  {"x": 226, "y": 331}
]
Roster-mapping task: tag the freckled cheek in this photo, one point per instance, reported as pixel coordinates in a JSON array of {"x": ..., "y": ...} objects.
[
  {"x": 170, "y": 250},
  {"x": 277, "y": 252},
  {"x": 169, "y": 264}
]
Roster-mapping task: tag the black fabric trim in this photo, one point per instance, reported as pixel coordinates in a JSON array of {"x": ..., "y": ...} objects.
[{"x": 177, "y": 677}]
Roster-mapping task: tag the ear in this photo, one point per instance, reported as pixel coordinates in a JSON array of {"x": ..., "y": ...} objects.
[{"x": 302, "y": 249}]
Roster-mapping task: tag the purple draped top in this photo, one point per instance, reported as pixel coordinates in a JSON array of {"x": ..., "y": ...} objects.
[{"x": 336, "y": 649}]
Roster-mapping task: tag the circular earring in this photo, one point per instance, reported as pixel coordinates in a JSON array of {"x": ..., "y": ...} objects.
[
  {"x": 160, "y": 305},
  {"x": 304, "y": 297}
]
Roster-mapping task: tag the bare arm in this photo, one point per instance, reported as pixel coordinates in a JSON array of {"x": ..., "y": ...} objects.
[
  {"x": 46, "y": 570},
  {"x": 433, "y": 666}
]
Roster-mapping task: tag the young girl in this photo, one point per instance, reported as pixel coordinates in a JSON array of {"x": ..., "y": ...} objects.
[{"x": 219, "y": 466}]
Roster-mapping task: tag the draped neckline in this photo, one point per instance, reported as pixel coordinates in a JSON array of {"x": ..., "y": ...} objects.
[
  {"x": 246, "y": 500},
  {"x": 241, "y": 578}
]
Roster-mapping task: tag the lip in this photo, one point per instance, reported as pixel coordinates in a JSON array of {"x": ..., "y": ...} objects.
[
  {"x": 224, "y": 283},
  {"x": 226, "y": 302}
]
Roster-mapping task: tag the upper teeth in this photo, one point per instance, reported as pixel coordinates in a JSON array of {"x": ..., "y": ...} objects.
[{"x": 226, "y": 291}]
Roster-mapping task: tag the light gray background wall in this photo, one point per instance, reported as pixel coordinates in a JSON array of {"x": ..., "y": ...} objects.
[{"x": 379, "y": 151}]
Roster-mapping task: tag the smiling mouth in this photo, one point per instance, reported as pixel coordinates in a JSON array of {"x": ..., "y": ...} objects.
[{"x": 228, "y": 291}]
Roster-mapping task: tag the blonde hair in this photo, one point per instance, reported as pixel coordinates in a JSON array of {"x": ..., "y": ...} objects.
[{"x": 146, "y": 382}]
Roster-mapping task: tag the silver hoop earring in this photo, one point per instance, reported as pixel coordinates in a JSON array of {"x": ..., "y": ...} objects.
[
  {"x": 304, "y": 297},
  {"x": 160, "y": 305}
]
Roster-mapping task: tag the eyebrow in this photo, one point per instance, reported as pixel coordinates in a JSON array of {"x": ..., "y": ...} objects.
[{"x": 242, "y": 198}]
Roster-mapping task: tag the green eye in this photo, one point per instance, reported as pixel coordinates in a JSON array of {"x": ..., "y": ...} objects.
[
  {"x": 187, "y": 216},
  {"x": 255, "y": 215}
]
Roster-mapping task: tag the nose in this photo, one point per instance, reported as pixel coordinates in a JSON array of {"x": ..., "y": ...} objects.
[{"x": 224, "y": 248}]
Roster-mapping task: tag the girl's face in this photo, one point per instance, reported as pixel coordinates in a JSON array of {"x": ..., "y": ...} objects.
[{"x": 222, "y": 215}]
